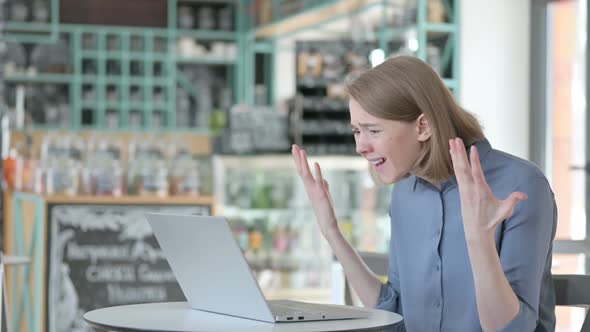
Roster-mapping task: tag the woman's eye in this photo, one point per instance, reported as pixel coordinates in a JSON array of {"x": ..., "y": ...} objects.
[{"x": 373, "y": 131}]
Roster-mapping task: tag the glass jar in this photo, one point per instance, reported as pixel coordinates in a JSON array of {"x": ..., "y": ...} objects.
[
  {"x": 62, "y": 178},
  {"x": 26, "y": 174},
  {"x": 184, "y": 178},
  {"x": 107, "y": 179},
  {"x": 153, "y": 179},
  {"x": 133, "y": 177}
]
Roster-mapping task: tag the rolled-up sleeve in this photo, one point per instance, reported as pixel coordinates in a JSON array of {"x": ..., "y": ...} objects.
[
  {"x": 388, "y": 299},
  {"x": 525, "y": 251},
  {"x": 526, "y": 320}
]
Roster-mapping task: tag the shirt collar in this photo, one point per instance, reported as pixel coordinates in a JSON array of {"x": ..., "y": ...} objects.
[{"x": 483, "y": 147}]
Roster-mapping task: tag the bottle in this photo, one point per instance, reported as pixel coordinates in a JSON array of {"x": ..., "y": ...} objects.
[
  {"x": 9, "y": 169},
  {"x": 26, "y": 168}
]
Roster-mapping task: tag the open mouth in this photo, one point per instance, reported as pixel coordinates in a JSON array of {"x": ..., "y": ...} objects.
[{"x": 379, "y": 162}]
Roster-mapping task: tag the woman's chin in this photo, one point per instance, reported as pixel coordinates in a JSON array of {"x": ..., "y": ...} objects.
[
  {"x": 386, "y": 176},
  {"x": 388, "y": 179}
]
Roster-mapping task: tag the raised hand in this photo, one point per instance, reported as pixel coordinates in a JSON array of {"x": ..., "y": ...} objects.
[
  {"x": 482, "y": 211},
  {"x": 317, "y": 190}
]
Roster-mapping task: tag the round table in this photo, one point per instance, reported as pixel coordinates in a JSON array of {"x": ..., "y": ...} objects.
[{"x": 180, "y": 317}]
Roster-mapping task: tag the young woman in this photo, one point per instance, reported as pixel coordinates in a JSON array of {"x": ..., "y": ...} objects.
[{"x": 471, "y": 226}]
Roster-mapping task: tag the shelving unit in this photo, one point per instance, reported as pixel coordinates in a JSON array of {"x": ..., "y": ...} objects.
[
  {"x": 252, "y": 41},
  {"x": 36, "y": 32},
  {"x": 320, "y": 109},
  {"x": 320, "y": 120},
  {"x": 121, "y": 78}
]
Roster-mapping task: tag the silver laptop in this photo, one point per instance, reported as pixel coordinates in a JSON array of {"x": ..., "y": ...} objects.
[{"x": 214, "y": 275}]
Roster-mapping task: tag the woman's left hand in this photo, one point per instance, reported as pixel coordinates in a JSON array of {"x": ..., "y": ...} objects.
[{"x": 482, "y": 211}]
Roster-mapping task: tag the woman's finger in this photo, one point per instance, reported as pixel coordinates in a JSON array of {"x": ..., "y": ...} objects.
[
  {"x": 507, "y": 206},
  {"x": 318, "y": 173},
  {"x": 460, "y": 164},
  {"x": 461, "y": 158},
  {"x": 295, "y": 153},
  {"x": 306, "y": 175},
  {"x": 454, "y": 155},
  {"x": 477, "y": 172},
  {"x": 301, "y": 164},
  {"x": 326, "y": 185},
  {"x": 452, "y": 151}
]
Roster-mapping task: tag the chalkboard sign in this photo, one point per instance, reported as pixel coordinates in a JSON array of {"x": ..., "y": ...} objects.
[{"x": 102, "y": 256}]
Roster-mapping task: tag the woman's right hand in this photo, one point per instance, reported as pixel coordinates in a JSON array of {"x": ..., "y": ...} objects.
[{"x": 318, "y": 192}]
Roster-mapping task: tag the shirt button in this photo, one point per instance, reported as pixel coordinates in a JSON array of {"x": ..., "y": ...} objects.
[
  {"x": 437, "y": 267},
  {"x": 438, "y": 304}
]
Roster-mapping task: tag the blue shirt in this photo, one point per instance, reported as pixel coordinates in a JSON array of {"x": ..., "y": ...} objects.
[{"x": 430, "y": 280}]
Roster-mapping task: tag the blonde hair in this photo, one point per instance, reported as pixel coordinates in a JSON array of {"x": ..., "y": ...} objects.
[{"x": 402, "y": 88}]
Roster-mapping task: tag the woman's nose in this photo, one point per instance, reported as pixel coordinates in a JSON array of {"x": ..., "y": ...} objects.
[{"x": 361, "y": 145}]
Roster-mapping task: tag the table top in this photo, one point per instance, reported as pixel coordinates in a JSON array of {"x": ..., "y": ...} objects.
[{"x": 180, "y": 317}]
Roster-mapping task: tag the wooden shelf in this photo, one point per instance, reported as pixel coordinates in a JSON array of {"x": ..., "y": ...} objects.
[
  {"x": 129, "y": 200},
  {"x": 197, "y": 141},
  {"x": 121, "y": 200}
]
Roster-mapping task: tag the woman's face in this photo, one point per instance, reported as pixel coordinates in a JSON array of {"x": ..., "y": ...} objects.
[{"x": 391, "y": 147}]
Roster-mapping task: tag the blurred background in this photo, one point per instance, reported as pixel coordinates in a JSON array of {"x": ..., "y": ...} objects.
[{"x": 109, "y": 109}]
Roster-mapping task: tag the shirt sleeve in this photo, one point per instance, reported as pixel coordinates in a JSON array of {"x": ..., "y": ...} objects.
[
  {"x": 525, "y": 250},
  {"x": 388, "y": 299},
  {"x": 525, "y": 320}
]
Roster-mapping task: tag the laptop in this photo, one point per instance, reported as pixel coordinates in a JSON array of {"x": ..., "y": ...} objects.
[{"x": 215, "y": 277}]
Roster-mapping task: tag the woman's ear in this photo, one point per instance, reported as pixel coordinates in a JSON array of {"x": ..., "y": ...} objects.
[{"x": 423, "y": 128}]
